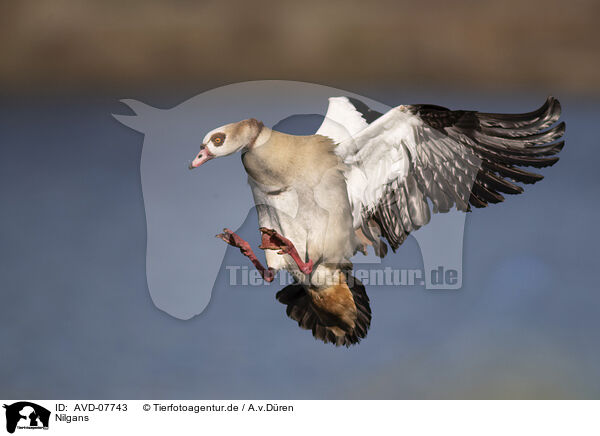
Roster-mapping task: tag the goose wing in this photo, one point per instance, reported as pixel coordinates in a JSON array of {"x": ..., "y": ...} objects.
[{"x": 415, "y": 159}]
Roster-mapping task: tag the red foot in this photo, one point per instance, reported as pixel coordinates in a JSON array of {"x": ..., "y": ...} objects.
[
  {"x": 235, "y": 241},
  {"x": 271, "y": 240}
]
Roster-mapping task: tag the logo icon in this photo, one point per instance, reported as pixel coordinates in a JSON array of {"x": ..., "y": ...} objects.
[{"x": 26, "y": 415}]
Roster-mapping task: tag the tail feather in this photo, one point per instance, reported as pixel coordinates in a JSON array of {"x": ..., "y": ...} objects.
[{"x": 340, "y": 315}]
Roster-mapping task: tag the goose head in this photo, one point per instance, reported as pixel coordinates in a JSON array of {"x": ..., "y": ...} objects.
[{"x": 227, "y": 139}]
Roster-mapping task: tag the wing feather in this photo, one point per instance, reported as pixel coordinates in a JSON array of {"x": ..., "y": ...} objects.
[{"x": 401, "y": 162}]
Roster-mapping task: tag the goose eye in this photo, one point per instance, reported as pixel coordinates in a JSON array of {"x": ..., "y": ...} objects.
[{"x": 218, "y": 139}]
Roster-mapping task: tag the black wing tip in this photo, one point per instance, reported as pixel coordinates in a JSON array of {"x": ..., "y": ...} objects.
[
  {"x": 554, "y": 108},
  {"x": 553, "y": 102},
  {"x": 523, "y": 124},
  {"x": 557, "y": 148},
  {"x": 368, "y": 114},
  {"x": 512, "y": 141}
]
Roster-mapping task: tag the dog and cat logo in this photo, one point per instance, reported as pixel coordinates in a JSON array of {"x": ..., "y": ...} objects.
[{"x": 26, "y": 415}]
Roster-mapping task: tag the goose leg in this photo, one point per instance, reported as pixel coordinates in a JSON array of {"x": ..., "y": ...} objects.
[
  {"x": 235, "y": 241},
  {"x": 271, "y": 240}
]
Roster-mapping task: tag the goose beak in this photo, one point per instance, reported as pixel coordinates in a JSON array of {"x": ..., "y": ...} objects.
[{"x": 203, "y": 156}]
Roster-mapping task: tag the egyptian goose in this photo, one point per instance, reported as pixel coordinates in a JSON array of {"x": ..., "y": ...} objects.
[{"x": 367, "y": 178}]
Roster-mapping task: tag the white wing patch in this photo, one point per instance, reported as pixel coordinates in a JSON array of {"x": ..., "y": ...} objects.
[
  {"x": 398, "y": 145},
  {"x": 342, "y": 120},
  {"x": 395, "y": 165}
]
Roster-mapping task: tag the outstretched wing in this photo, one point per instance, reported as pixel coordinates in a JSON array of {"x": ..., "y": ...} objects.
[{"x": 414, "y": 155}]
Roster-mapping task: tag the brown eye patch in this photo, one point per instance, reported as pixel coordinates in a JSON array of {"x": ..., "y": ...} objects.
[{"x": 218, "y": 139}]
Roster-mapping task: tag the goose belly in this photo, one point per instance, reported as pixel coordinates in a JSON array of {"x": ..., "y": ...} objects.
[{"x": 318, "y": 221}]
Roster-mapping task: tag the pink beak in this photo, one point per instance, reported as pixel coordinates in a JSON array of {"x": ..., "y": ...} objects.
[{"x": 202, "y": 157}]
